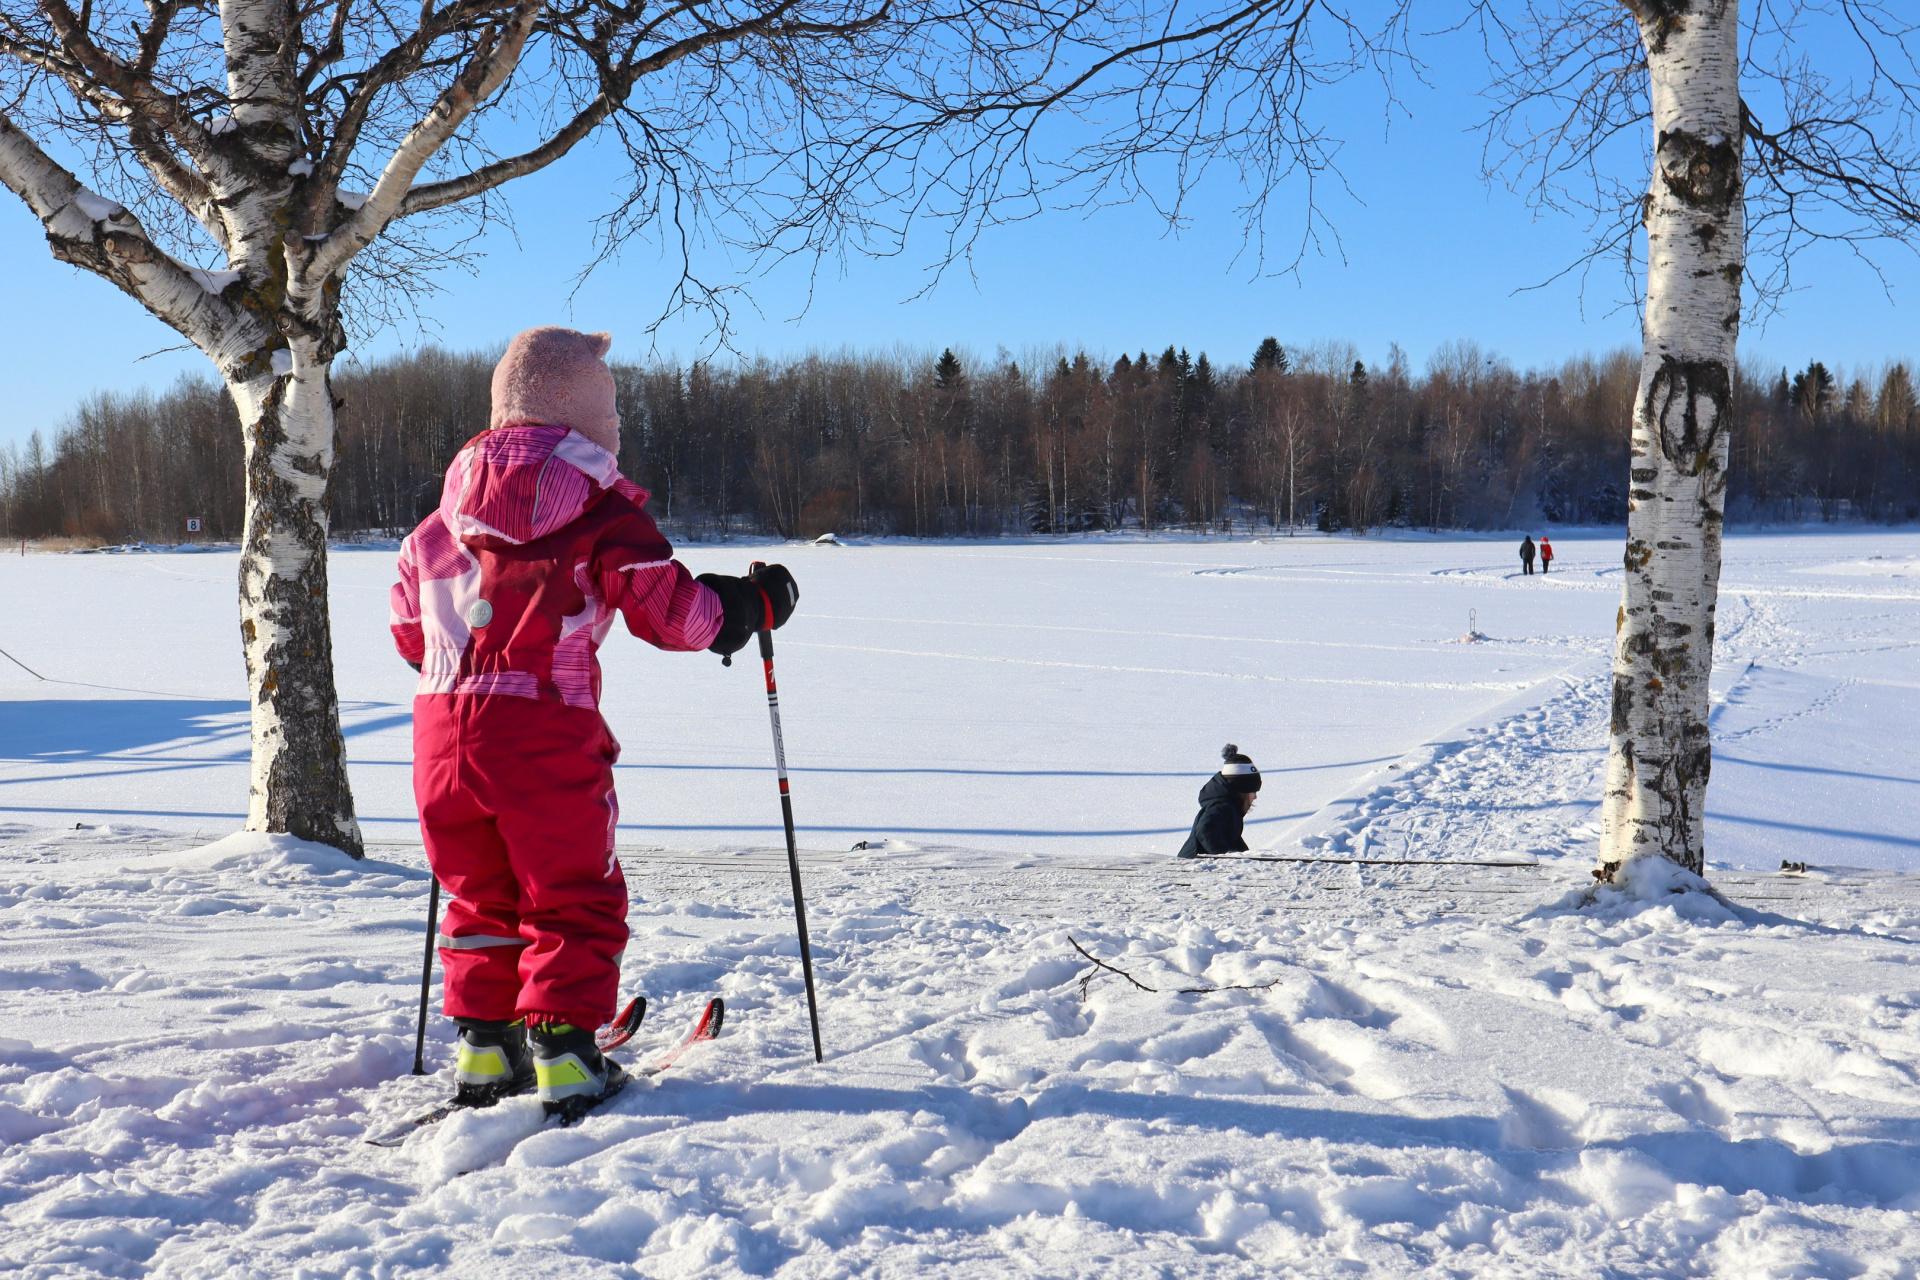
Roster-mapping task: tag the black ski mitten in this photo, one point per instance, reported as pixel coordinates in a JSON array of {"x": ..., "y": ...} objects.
[
  {"x": 746, "y": 602},
  {"x": 783, "y": 593}
]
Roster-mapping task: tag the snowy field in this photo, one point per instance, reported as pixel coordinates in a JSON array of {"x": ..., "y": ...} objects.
[{"x": 1406, "y": 1070}]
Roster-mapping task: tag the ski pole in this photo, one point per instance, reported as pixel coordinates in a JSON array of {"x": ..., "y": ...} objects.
[
  {"x": 426, "y": 977},
  {"x": 786, "y": 814}
]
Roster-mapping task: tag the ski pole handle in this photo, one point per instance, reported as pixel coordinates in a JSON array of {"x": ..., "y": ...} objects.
[{"x": 766, "y": 630}]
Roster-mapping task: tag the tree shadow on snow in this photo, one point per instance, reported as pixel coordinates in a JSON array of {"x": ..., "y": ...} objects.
[
  {"x": 69, "y": 729},
  {"x": 868, "y": 829},
  {"x": 897, "y": 770},
  {"x": 96, "y": 728}
]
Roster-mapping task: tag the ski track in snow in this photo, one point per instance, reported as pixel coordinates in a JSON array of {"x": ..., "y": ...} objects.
[
  {"x": 1523, "y": 786},
  {"x": 1418, "y": 1070}
]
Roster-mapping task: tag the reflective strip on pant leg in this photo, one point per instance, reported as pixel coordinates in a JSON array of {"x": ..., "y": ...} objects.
[{"x": 476, "y": 941}]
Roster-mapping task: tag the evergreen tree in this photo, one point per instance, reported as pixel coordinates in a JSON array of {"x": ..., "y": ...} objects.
[
  {"x": 947, "y": 374},
  {"x": 1202, "y": 381},
  {"x": 1270, "y": 355},
  {"x": 1813, "y": 391}
]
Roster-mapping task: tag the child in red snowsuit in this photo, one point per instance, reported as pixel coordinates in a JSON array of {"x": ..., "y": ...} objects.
[
  {"x": 1546, "y": 554},
  {"x": 505, "y": 593}
]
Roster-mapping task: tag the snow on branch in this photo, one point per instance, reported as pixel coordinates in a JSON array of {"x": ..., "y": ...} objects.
[{"x": 88, "y": 230}]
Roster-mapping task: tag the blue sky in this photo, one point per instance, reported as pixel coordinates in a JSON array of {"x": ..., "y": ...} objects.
[{"x": 1433, "y": 252}]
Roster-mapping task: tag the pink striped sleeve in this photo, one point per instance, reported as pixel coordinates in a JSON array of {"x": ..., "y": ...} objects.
[
  {"x": 403, "y": 604},
  {"x": 664, "y": 606},
  {"x": 638, "y": 575}
]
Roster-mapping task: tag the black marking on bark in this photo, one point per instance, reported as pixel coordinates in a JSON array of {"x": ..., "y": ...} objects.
[
  {"x": 1688, "y": 438},
  {"x": 1622, "y": 708},
  {"x": 1701, "y": 173}
]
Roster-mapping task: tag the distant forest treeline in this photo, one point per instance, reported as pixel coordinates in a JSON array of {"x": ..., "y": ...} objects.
[{"x": 896, "y": 444}]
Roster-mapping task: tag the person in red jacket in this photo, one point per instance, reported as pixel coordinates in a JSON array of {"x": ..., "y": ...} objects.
[
  {"x": 506, "y": 591},
  {"x": 1546, "y": 553}
]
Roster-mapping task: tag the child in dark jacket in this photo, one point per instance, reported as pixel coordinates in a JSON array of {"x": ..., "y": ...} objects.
[
  {"x": 538, "y": 547},
  {"x": 1224, "y": 803}
]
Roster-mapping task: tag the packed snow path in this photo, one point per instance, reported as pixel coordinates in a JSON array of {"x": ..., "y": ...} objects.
[{"x": 1409, "y": 1070}]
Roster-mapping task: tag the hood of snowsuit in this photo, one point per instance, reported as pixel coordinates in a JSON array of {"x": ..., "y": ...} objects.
[{"x": 518, "y": 484}]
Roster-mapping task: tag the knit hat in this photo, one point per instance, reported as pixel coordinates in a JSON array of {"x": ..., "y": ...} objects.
[
  {"x": 1238, "y": 772},
  {"x": 557, "y": 378}
]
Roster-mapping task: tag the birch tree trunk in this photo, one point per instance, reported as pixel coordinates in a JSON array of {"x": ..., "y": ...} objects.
[
  {"x": 1659, "y": 756},
  {"x": 299, "y": 778}
]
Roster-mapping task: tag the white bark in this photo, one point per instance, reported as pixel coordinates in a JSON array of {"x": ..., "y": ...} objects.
[
  {"x": 299, "y": 779},
  {"x": 1660, "y": 757}
]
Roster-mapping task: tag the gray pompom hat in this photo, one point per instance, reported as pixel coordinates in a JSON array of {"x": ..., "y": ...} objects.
[{"x": 1238, "y": 772}]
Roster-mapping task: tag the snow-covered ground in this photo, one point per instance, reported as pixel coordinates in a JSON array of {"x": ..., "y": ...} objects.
[{"x": 1407, "y": 1070}]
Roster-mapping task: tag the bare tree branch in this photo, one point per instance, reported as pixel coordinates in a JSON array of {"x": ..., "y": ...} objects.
[
  {"x": 1832, "y": 149},
  {"x": 88, "y": 231},
  {"x": 617, "y": 81},
  {"x": 493, "y": 60}
]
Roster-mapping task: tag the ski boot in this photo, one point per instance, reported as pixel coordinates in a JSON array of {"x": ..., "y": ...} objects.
[
  {"x": 573, "y": 1076},
  {"x": 492, "y": 1063}
]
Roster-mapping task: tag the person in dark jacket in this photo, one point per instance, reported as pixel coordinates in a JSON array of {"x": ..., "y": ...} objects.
[
  {"x": 1224, "y": 802},
  {"x": 1526, "y": 554}
]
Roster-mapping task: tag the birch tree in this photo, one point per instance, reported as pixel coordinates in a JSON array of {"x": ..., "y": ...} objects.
[
  {"x": 272, "y": 177},
  {"x": 1758, "y": 151}
]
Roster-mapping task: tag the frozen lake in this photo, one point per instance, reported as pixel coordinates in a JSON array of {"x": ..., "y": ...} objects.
[{"x": 1048, "y": 699}]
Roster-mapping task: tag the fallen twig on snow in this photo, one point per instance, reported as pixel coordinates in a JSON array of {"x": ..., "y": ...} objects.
[{"x": 1086, "y": 979}]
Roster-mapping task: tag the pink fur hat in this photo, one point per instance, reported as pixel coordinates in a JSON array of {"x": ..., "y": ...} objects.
[{"x": 558, "y": 378}]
